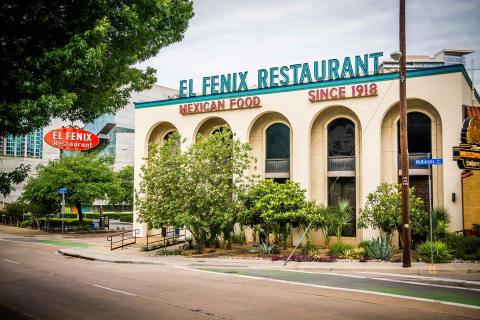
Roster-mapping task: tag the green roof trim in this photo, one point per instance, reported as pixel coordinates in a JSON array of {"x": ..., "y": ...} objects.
[{"x": 313, "y": 85}]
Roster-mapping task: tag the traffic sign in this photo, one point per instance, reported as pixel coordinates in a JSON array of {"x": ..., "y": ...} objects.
[
  {"x": 428, "y": 162},
  {"x": 62, "y": 190}
]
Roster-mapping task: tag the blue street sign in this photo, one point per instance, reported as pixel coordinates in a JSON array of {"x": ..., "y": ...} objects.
[
  {"x": 429, "y": 162},
  {"x": 62, "y": 190}
]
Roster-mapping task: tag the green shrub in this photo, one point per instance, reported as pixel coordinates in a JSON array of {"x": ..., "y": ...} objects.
[
  {"x": 340, "y": 250},
  {"x": 379, "y": 249},
  {"x": 365, "y": 244},
  {"x": 126, "y": 218},
  {"x": 309, "y": 249},
  {"x": 25, "y": 223},
  {"x": 465, "y": 248},
  {"x": 266, "y": 249},
  {"x": 356, "y": 253},
  {"x": 239, "y": 238},
  {"x": 57, "y": 222},
  {"x": 440, "y": 251}
]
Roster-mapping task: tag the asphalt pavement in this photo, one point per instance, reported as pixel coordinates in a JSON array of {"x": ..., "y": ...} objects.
[{"x": 39, "y": 283}]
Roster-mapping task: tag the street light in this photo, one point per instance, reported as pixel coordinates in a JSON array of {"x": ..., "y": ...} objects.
[
  {"x": 401, "y": 57},
  {"x": 396, "y": 55}
]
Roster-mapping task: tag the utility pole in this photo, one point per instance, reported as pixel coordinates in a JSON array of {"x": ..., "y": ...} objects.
[{"x": 407, "y": 251}]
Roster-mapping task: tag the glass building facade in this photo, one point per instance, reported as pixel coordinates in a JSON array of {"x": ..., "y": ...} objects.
[{"x": 23, "y": 146}]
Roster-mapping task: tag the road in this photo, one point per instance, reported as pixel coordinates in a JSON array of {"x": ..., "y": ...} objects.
[{"x": 38, "y": 283}]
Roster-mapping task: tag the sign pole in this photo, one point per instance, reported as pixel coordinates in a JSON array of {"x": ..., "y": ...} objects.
[
  {"x": 407, "y": 242},
  {"x": 63, "y": 191},
  {"x": 63, "y": 211},
  {"x": 430, "y": 205}
]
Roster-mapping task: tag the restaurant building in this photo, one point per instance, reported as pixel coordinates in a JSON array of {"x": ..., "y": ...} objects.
[{"x": 331, "y": 126}]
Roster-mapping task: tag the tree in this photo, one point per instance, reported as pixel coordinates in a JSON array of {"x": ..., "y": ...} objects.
[
  {"x": 87, "y": 177},
  {"x": 276, "y": 207},
  {"x": 8, "y": 180},
  {"x": 75, "y": 59},
  {"x": 200, "y": 188},
  {"x": 383, "y": 209},
  {"x": 125, "y": 192}
]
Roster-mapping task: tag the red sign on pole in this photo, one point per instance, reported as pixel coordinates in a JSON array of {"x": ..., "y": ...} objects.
[{"x": 71, "y": 139}]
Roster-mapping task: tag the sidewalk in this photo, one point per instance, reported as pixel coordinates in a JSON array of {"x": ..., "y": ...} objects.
[
  {"x": 134, "y": 256},
  {"x": 98, "y": 249}
]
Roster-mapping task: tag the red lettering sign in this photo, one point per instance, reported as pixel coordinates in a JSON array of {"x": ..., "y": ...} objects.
[
  {"x": 220, "y": 105},
  {"x": 336, "y": 93},
  {"x": 71, "y": 139}
]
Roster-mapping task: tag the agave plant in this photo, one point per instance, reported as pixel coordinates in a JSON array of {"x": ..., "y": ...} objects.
[{"x": 379, "y": 248}]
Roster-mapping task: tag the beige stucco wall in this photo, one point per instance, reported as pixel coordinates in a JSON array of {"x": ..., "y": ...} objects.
[{"x": 441, "y": 96}]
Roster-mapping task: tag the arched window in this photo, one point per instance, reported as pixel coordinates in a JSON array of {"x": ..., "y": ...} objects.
[
  {"x": 341, "y": 138},
  {"x": 341, "y": 168},
  {"x": 419, "y": 131},
  {"x": 278, "y": 141},
  {"x": 168, "y": 135},
  {"x": 277, "y": 164}
]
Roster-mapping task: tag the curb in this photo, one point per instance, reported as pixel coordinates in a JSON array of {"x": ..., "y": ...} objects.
[
  {"x": 299, "y": 267},
  {"x": 86, "y": 256}
]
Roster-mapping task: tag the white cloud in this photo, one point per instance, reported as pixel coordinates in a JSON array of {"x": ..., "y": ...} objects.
[{"x": 229, "y": 36}]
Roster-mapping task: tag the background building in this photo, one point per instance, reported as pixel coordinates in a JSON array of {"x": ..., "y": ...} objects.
[
  {"x": 334, "y": 147},
  {"x": 116, "y": 132},
  {"x": 443, "y": 57}
]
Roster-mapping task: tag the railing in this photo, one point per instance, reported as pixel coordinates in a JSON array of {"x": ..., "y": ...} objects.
[
  {"x": 341, "y": 163},
  {"x": 122, "y": 239},
  {"x": 277, "y": 165},
  {"x": 169, "y": 237},
  {"x": 411, "y": 160}
]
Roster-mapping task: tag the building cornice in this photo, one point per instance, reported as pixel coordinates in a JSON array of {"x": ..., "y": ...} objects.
[{"x": 313, "y": 85}]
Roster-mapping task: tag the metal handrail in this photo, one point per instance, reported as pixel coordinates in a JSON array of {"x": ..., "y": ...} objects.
[
  {"x": 122, "y": 240},
  {"x": 165, "y": 238},
  {"x": 277, "y": 165},
  {"x": 341, "y": 163}
]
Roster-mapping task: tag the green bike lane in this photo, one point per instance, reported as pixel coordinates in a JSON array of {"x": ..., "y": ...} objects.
[
  {"x": 53, "y": 242},
  {"x": 468, "y": 297}
]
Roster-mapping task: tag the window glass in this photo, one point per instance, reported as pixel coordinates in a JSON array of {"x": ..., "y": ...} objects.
[
  {"x": 2, "y": 146},
  {"x": 419, "y": 128},
  {"x": 31, "y": 145},
  {"x": 20, "y": 146},
  {"x": 10, "y": 147},
  {"x": 38, "y": 143},
  {"x": 278, "y": 141},
  {"x": 341, "y": 138}
]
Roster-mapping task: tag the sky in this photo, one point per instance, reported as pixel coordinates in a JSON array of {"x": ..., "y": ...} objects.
[{"x": 227, "y": 36}]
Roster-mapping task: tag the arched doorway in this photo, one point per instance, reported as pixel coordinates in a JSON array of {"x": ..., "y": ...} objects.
[
  {"x": 419, "y": 128},
  {"x": 424, "y": 130},
  {"x": 335, "y": 144},
  {"x": 341, "y": 167}
]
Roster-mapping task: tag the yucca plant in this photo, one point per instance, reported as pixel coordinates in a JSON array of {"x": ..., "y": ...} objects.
[
  {"x": 342, "y": 217},
  {"x": 436, "y": 249},
  {"x": 379, "y": 248}
]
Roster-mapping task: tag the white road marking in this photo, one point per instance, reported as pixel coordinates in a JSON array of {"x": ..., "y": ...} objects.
[
  {"x": 386, "y": 279},
  {"x": 423, "y": 277},
  {"x": 11, "y": 261},
  {"x": 335, "y": 288},
  {"x": 115, "y": 290},
  {"x": 426, "y": 284}
]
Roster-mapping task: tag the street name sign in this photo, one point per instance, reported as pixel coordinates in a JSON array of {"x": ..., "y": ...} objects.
[{"x": 429, "y": 162}]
